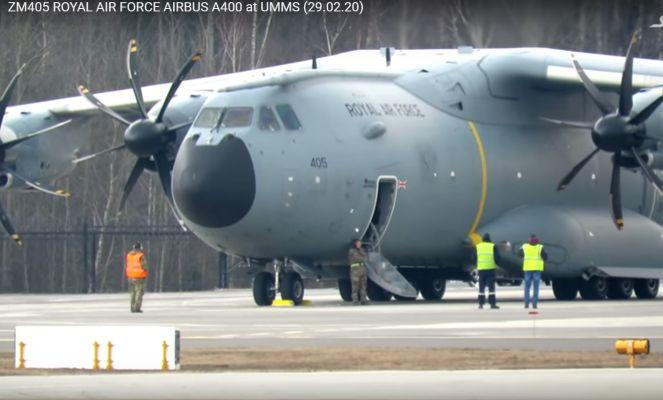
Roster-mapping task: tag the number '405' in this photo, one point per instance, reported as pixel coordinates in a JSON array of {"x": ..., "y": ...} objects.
[{"x": 319, "y": 162}]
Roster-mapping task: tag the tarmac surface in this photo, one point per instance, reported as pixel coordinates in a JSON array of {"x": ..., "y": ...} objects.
[
  {"x": 229, "y": 318},
  {"x": 618, "y": 384}
]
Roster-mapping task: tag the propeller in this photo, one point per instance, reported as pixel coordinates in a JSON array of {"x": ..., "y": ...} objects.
[
  {"x": 619, "y": 131},
  {"x": 147, "y": 138}
]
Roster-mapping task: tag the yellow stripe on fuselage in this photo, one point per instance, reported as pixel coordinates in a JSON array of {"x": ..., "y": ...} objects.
[{"x": 484, "y": 180}]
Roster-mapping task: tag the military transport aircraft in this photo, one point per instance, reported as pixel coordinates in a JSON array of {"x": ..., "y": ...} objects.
[{"x": 415, "y": 152}]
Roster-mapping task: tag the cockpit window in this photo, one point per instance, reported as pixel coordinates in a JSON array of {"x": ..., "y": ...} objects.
[
  {"x": 267, "y": 120},
  {"x": 288, "y": 117},
  {"x": 218, "y": 117},
  {"x": 208, "y": 117},
  {"x": 236, "y": 117}
]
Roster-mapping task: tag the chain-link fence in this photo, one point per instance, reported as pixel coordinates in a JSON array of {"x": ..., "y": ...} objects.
[{"x": 91, "y": 259}]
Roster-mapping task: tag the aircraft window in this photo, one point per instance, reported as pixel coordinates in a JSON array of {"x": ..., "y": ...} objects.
[
  {"x": 236, "y": 117},
  {"x": 208, "y": 117},
  {"x": 267, "y": 120},
  {"x": 288, "y": 117}
]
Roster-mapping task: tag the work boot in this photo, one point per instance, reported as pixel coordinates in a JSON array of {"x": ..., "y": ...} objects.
[
  {"x": 494, "y": 306},
  {"x": 482, "y": 300},
  {"x": 493, "y": 301},
  {"x": 526, "y": 305},
  {"x": 355, "y": 303},
  {"x": 365, "y": 302}
]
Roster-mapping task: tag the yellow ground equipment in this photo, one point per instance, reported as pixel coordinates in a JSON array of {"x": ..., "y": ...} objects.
[{"x": 632, "y": 347}]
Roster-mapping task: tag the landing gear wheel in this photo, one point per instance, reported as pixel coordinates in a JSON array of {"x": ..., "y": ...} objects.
[
  {"x": 263, "y": 288},
  {"x": 432, "y": 287},
  {"x": 565, "y": 289},
  {"x": 376, "y": 293},
  {"x": 646, "y": 288},
  {"x": 594, "y": 289},
  {"x": 292, "y": 287},
  {"x": 345, "y": 289},
  {"x": 620, "y": 288}
]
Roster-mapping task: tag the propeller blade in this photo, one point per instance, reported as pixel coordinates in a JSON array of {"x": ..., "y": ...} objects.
[
  {"x": 163, "y": 168},
  {"x": 572, "y": 174},
  {"x": 649, "y": 173},
  {"x": 646, "y": 112},
  {"x": 41, "y": 187},
  {"x": 134, "y": 78},
  {"x": 569, "y": 124},
  {"x": 91, "y": 156},
  {"x": 9, "y": 228},
  {"x": 615, "y": 194},
  {"x": 626, "y": 90},
  {"x": 85, "y": 92},
  {"x": 601, "y": 102},
  {"x": 6, "y": 96},
  {"x": 186, "y": 68},
  {"x": 12, "y": 143},
  {"x": 180, "y": 126},
  {"x": 140, "y": 165}
]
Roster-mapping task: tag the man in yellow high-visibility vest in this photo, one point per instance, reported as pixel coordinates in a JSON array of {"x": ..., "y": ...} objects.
[
  {"x": 533, "y": 256},
  {"x": 487, "y": 258}
]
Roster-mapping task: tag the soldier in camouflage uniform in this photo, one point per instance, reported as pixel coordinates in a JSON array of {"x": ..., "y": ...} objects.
[
  {"x": 136, "y": 272},
  {"x": 357, "y": 258}
]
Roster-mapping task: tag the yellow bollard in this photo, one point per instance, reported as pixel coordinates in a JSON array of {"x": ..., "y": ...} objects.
[
  {"x": 95, "y": 360},
  {"x": 164, "y": 356},
  {"x": 632, "y": 347},
  {"x": 21, "y": 355},
  {"x": 109, "y": 357}
]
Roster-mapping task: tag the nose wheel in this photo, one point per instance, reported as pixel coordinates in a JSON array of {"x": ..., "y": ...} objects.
[
  {"x": 264, "y": 291},
  {"x": 292, "y": 287}
]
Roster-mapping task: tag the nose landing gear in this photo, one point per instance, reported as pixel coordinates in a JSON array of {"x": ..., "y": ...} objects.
[{"x": 284, "y": 280}]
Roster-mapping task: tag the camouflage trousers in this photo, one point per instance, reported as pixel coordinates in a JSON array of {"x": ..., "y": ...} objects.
[
  {"x": 359, "y": 278},
  {"x": 136, "y": 290}
]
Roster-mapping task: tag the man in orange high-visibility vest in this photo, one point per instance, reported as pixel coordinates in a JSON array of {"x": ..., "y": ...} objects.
[{"x": 135, "y": 268}]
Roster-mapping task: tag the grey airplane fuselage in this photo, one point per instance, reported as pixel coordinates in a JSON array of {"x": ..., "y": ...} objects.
[{"x": 315, "y": 187}]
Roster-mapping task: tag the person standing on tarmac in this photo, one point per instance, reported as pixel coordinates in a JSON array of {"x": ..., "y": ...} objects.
[
  {"x": 357, "y": 258},
  {"x": 533, "y": 256},
  {"x": 135, "y": 269},
  {"x": 487, "y": 259}
]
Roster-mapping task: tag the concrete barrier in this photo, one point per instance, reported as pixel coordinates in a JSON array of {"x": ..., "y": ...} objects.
[{"x": 97, "y": 347}]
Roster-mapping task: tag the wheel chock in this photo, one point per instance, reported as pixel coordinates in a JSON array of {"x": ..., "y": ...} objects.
[
  {"x": 283, "y": 303},
  {"x": 306, "y": 303}
]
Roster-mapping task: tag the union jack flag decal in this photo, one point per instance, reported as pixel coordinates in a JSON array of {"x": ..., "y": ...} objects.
[{"x": 402, "y": 184}]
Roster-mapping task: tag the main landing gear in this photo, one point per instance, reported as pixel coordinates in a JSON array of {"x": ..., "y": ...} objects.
[
  {"x": 290, "y": 285},
  {"x": 600, "y": 288}
]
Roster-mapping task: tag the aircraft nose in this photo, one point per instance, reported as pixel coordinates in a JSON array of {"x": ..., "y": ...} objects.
[{"x": 214, "y": 186}]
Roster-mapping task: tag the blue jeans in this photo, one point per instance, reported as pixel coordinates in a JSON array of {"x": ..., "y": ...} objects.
[{"x": 532, "y": 278}]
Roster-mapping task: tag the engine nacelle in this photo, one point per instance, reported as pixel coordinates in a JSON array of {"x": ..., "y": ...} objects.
[
  {"x": 654, "y": 159},
  {"x": 6, "y": 180}
]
